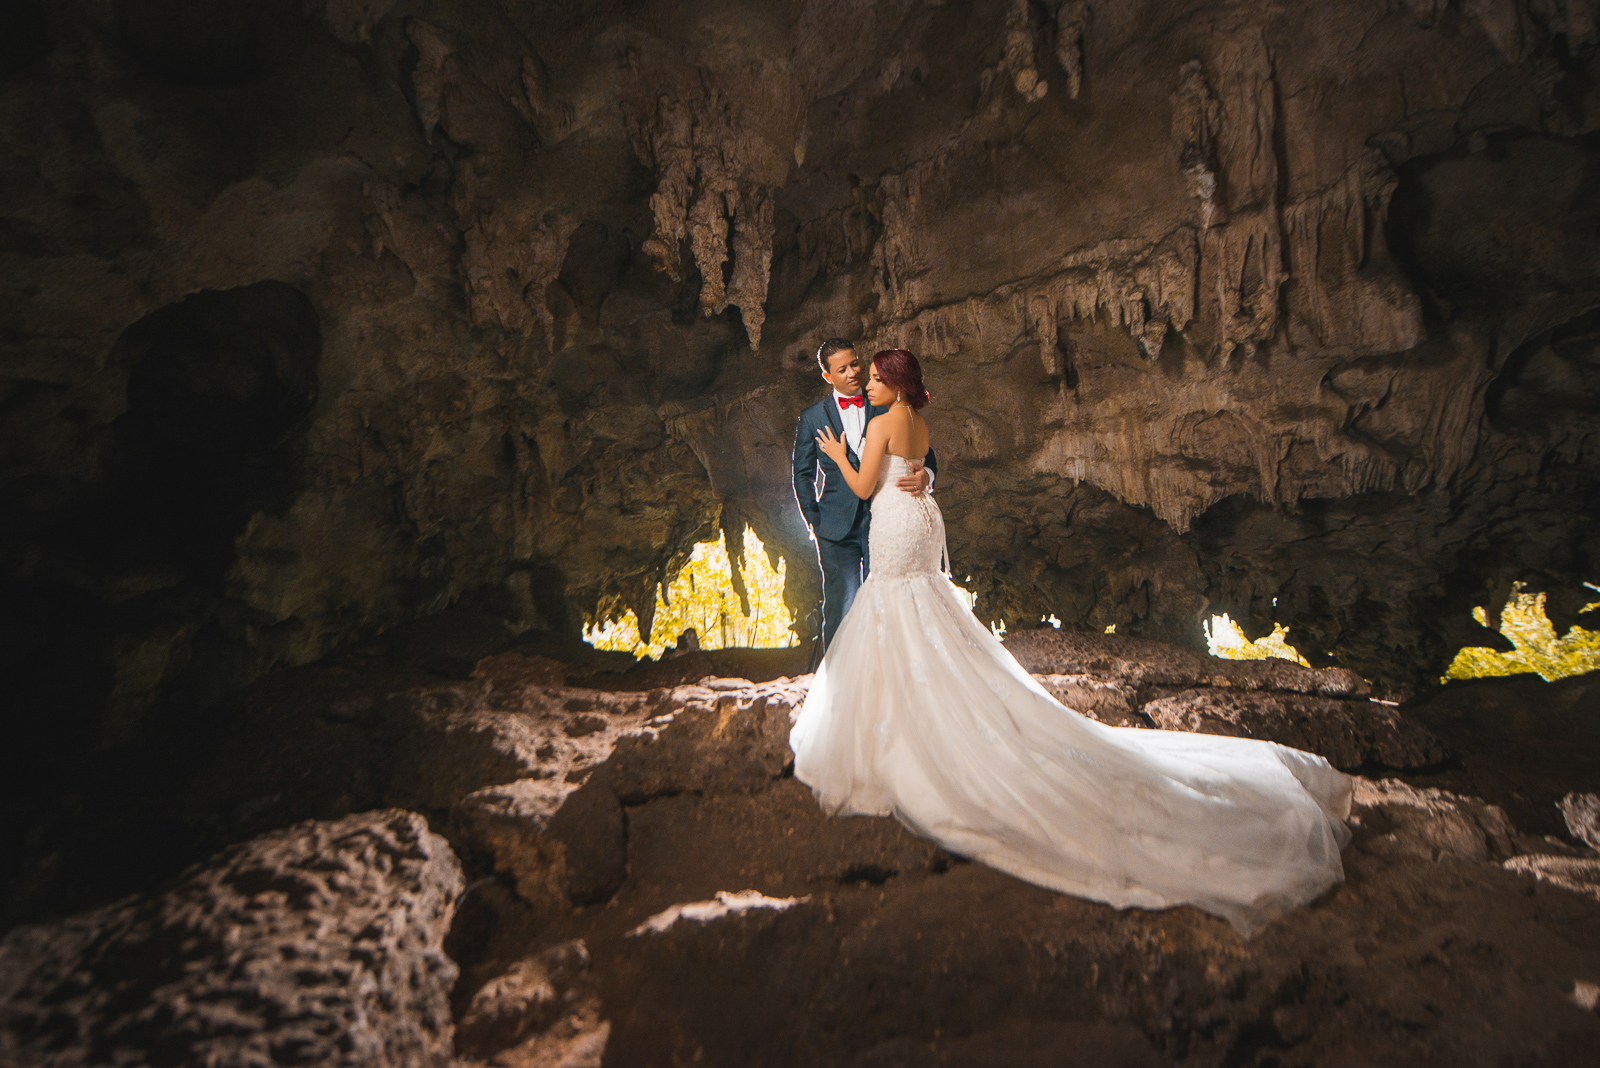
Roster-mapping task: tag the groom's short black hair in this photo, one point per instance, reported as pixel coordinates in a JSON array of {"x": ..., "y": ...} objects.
[{"x": 830, "y": 347}]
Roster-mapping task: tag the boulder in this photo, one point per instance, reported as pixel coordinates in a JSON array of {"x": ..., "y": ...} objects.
[
  {"x": 1396, "y": 819},
  {"x": 528, "y": 997},
  {"x": 1142, "y": 662},
  {"x": 1110, "y": 701},
  {"x": 1582, "y": 815},
  {"x": 1351, "y": 734},
  {"x": 1581, "y": 875},
  {"x": 727, "y": 732},
  {"x": 317, "y": 944}
]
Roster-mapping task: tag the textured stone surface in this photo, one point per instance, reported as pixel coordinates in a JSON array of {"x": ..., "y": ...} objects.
[
  {"x": 1136, "y": 682},
  {"x": 1521, "y": 742},
  {"x": 1581, "y": 813},
  {"x": 319, "y": 944},
  {"x": 1350, "y": 734},
  {"x": 1578, "y": 874},
  {"x": 1401, "y": 820},
  {"x": 521, "y": 1008},
  {"x": 629, "y": 805},
  {"x": 329, "y": 316},
  {"x": 1141, "y": 663}
]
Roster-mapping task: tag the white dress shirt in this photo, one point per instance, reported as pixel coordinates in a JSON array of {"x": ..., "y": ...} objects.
[{"x": 854, "y": 419}]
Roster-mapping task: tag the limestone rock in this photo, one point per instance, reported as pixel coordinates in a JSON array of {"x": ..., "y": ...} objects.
[
  {"x": 1138, "y": 662},
  {"x": 1401, "y": 820},
  {"x": 459, "y": 740},
  {"x": 1582, "y": 815},
  {"x": 506, "y": 824},
  {"x": 591, "y": 826},
  {"x": 1581, "y": 875},
  {"x": 1350, "y": 733},
  {"x": 1112, "y": 702},
  {"x": 735, "y": 738},
  {"x": 320, "y": 943},
  {"x": 529, "y": 997}
]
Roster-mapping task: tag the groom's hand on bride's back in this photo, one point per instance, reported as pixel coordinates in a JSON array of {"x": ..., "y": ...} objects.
[{"x": 915, "y": 480}]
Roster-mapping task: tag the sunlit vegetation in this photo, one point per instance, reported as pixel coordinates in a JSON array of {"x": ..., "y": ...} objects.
[
  {"x": 1538, "y": 649},
  {"x": 1226, "y": 640},
  {"x": 702, "y": 597}
]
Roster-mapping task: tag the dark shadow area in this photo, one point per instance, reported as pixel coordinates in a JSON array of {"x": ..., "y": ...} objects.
[
  {"x": 204, "y": 43},
  {"x": 216, "y": 382},
  {"x": 111, "y": 607},
  {"x": 1520, "y": 743},
  {"x": 1486, "y": 233}
]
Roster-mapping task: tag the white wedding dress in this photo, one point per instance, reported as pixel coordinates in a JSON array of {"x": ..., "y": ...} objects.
[{"x": 918, "y": 711}]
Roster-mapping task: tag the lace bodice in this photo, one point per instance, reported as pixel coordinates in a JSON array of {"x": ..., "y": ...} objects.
[{"x": 907, "y": 534}]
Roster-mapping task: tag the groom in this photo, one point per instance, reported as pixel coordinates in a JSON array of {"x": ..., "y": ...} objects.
[{"x": 838, "y": 519}]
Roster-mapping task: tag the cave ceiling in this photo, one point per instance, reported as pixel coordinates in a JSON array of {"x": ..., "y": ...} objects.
[{"x": 324, "y": 316}]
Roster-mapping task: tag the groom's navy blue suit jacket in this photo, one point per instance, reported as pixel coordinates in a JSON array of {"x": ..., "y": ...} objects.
[{"x": 829, "y": 505}]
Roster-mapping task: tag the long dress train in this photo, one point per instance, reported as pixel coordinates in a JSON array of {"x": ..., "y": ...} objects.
[{"x": 918, "y": 711}]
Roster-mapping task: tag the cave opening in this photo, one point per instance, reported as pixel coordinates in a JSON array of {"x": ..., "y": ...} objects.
[
  {"x": 716, "y": 600},
  {"x": 1224, "y": 638},
  {"x": 1536, "y": 647}
]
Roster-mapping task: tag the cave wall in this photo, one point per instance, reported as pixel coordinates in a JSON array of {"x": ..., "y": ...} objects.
[{"x": 324, "y": 316}]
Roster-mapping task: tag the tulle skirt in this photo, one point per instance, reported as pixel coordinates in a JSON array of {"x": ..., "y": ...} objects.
[{"x": 919, "y": 712}]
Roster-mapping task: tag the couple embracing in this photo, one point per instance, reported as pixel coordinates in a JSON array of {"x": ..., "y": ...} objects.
[{"x": 918, "y": 711}]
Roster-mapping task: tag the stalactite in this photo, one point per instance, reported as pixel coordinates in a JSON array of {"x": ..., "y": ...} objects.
[
  {"x": 708, "y": 232},
  {"x": 426, "y": 80},
  {"x": 1195, "y": 117},
  {"x": 1334, "y": 239},
  {"x": 700, "y": 187},
  {"x": 752, "y": 261},
  {"x": 1244, "y": 262},
  {"x": 511, "y": 257},
  {"x": 1072, "y": 26},
  {"x": 671, "y": 150}
]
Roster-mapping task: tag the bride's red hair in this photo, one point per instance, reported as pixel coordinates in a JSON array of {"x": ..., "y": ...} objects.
[{"x": 899, "y": 370}]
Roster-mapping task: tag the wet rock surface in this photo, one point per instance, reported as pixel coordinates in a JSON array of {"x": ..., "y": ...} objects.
[{"x": 649, "y": 885}]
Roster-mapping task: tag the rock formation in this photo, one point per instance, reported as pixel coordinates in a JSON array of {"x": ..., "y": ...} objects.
[
  {"x": 382, "y": 335},
  {"x": 742, "y": 926},
  {"x": 319, "y": 944}
]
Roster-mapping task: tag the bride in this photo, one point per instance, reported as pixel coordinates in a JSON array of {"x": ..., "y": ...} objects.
[{"x": 917, "y": 710}]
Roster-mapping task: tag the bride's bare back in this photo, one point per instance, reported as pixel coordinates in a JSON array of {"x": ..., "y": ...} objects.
[{"x": 908, "y": 433}]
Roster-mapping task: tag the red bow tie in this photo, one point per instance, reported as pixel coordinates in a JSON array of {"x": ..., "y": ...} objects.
[{"x": 852, "y": 402}]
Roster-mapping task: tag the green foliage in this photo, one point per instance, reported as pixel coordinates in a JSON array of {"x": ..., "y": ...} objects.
[
  {"x": 1225, "y": 639},
  {"x": 702, "y": 597},
  {"x": 1538, "y": 650}
]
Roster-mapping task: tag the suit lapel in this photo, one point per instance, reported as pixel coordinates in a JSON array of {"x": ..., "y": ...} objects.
[{"x": 831, "y": 408}]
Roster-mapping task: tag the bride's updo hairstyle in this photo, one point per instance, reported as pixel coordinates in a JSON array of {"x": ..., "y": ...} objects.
[{"x": 900, "y": 371}]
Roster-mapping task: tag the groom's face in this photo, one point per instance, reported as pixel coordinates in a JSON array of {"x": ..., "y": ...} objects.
[{"x": 844, "y": 372}]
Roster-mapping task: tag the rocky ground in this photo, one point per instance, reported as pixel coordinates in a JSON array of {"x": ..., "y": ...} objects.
[{"x": 624, "y": 872}]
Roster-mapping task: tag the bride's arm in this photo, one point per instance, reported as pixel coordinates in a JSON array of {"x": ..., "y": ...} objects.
[{"x": 873, "y": 450}]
